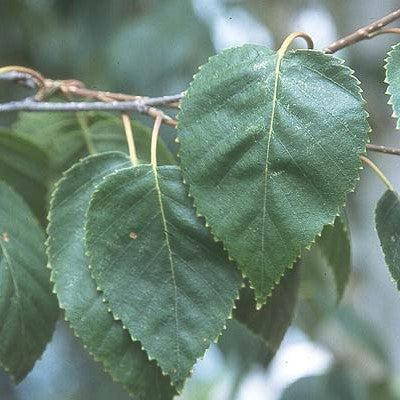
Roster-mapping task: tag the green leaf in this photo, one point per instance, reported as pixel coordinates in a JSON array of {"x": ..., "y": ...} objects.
[
  {"x": 270, "y": 147},
  {"x": 387, "y": 220},
  {"x": 273, "y": 319},
  {"x": 66, "y": 137},
  {"x": 318, "y": 297},
  {"x": 243, "y": 348},
  {"x": 393, "y": 80},
  {"x": 104, "y": 337},
  {"x": 334, "y": 244},
  {"x": 28, "y": 310},
  {"x": 24, "y": 167},
  {"x": 161, "y": 272}
]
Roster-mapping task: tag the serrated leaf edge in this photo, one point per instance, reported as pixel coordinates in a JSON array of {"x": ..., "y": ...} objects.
[{"x": 350, "y": 73}]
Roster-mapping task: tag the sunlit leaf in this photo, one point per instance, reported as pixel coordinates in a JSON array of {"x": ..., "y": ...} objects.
[
  {"x": 28, "y": 310},
  {"x": 161, "y": 272},
  {"x": 270, "y": 147}
]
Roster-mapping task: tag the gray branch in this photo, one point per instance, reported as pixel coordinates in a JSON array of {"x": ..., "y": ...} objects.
[{"x": 141, "y": 106}]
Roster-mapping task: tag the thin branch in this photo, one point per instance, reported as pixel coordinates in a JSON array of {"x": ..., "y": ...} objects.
[
  {"x": 21, "y": 78},
  {"x": 363, "y": 33},
  {"x": 383, "y": 149},
  {"x": 384, "y": 32},
  {"x": 142, "y": 106}
]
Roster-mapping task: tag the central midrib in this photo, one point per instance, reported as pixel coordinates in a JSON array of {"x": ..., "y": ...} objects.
[
  {"x": 279, "y": 58},
  {"x": 171, "y": 261}
]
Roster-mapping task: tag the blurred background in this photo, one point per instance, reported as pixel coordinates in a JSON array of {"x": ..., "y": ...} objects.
[{"x": 153, "y": 47}]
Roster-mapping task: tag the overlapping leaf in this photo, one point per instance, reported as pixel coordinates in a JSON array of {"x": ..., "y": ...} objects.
[
  {"x": 393, "y": 80},
  {"x": 334, "y": 244},
  {"x": 270, "y": 146},
  {"x": 66, "y": 137},
  {"x": 273, "y": 319},
  {"x": 387, "y": 219},
  {"x": 161, "y": 272},
  {"x": 28, "y": 310},
  {"x": 104, "y": 337},
  {"x": 24, "y": 167}
]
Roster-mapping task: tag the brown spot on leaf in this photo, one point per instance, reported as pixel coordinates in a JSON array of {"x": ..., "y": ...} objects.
[
  {"x": 133, "y": 235},
  {"x": 4, "y": 236}
]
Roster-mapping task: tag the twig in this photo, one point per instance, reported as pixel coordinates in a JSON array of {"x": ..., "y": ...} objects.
[
  {"x": 384, "y": 32},
  {"x": 383, "y": 149},
  {"x": 142, "y": 106},
  {"x": 366, "y": 32}
]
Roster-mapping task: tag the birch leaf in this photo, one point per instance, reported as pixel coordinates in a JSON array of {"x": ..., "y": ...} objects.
[
  {"x": 87, "y": 314},
  {"x": 393, "y": 80},
  {"x": 161, "y": 271},
  {"x": 28, "y": 310},
  {"x": 387, "y": 220},
  {"x": 270, "y": 146}
]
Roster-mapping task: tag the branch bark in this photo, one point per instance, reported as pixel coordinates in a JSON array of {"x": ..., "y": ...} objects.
[{"x": 366, "y": 32}]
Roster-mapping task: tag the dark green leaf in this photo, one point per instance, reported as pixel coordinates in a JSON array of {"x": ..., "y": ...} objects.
[
  {"x": 387, "y": 220},
  {"x": 28, "y": 310},
  {"x": 244, "y": 348},
  {"x": 24, "y": 167},
  {"x": 162, "y": 274},
  {"x": 393, "y": 80},
  {"x": 334, "y": 244},
  {"x": 66, "y": 137},
  {"x": 273, "y": 319},
  {"x": 104, "y": 337},
  {"x": 270, "y": 146}
]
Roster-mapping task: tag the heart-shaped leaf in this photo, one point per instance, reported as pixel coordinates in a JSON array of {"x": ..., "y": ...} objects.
[
  {"x": 393, "y": 80},
  {"x": 270, "y": 146},
  {"x": 387, "y": 220},
  {"x": 28, "y": 310},
  {"x": 89, "y": 317},
  {"x": 161, "y": 271}
]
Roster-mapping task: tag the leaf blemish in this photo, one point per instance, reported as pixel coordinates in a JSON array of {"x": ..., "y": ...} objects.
[
  {"x": 4, "y": 236},
  {"x": 133, "y": 235}
]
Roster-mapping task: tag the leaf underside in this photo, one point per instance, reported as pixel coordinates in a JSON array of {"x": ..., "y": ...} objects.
[
  {"x": 270, "y": 146},
  {"x": 28, "y": 310},
  {"x": 393, "y": 80},
  {"x": 84, "y": 308},
  {"x": 161, "y": 272},
  {"x": 387, "y": 220}
]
